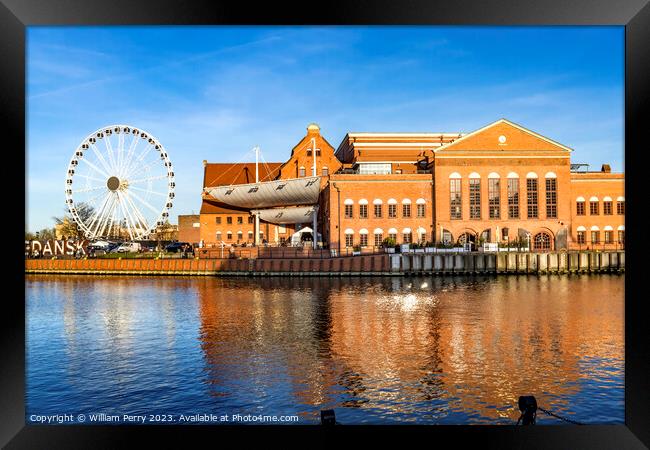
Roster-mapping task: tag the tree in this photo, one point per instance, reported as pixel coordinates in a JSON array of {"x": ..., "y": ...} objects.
[
  {"x": 47, "y": 234},
  {"x": 67, "y": 225}
]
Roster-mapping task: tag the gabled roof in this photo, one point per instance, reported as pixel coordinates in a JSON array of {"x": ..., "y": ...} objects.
[{"x": 467, "y": 138}]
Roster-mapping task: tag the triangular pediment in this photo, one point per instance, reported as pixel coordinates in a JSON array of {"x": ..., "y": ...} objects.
[{"x": 503, "y": 135}]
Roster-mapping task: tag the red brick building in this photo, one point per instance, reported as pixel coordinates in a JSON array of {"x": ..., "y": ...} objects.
[{"x": 498, "y": 184}]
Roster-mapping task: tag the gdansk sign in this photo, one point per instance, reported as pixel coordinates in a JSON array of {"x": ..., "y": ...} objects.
[{"x": 53, "y": 248}]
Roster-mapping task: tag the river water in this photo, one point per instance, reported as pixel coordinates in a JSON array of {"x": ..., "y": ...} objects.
[{"x": 428, "y": 350}]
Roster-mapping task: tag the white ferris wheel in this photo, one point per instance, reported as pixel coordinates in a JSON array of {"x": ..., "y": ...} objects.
[{"x": 124, "y": 174}]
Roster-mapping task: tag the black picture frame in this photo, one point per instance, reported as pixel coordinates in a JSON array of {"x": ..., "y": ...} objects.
[{"x": 15, "y": 15}]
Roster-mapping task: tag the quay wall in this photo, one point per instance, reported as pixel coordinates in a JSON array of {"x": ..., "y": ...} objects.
[
  {"x": 386, "y": 264},
  {"x": 504, "y": 263}
]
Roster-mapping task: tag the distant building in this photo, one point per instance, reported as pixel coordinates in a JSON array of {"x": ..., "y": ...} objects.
[
  {"x": 189, "y": 228},
  {"x": 497, "y": 184}
]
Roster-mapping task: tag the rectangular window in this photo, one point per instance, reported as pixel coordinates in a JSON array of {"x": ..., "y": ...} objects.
[
  {"x": 393, "y": 236},
  {"x": 406, "y": 238},
  {"x": 406, "y": 210},
  {"x": 580, "y": 208},
  {"x": 608, "y": 237},
  {"x": 421, "y": 210},
  {"x": 218, "y": 220},
  {"x": 348, "y": 211},
  {"x": 251, "y": 219},
  {"x": 392, "y": 211},
  {"x": 595, "y": 237},
  {"x": 229, "y": 236},
  {"x": 531, "y": 195},
  {"x": 513, "y": 198},
  {"x": 593, "y": 208},
  {"x": 474, "y": 198},
  {"x": 349, "y": 240},
  {"x": 607, "y": 208},
  {"x": 581, "y": 237},
  {"x": 301, "y": 172},
  {"x": 621, "y": 236},
  {"x": 374, "y": 168},
  {"x": 325, "y": 171},
  {"x": 494, "y": 198},
  {"x": 377, "y": 210},
  {"x": 551, "y": 198},
  {"x": 363, "y": 240},
  {"x": 240, "y": 220},
  {"x": 309, "y": 152},
  {"x": 363, "y": 211},
  {"x": 620, "y": 208},
  {"x": 218, "y": 236},
  {"x": 455, "y": 202},
  {"x": 229, "y": 220},
  {"x": 379, "y": 238}
]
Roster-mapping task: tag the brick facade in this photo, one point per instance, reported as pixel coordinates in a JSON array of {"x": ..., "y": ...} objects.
[{"x": 421, "y": 169}]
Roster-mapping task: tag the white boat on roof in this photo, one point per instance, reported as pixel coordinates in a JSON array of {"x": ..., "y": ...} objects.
[{"x": 294, "y": 191}]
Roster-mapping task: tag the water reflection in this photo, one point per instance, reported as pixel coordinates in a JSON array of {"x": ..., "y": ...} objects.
[{"x": 378, "y": 350}]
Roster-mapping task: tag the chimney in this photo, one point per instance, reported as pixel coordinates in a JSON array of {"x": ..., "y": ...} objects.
[{"x": 606, "y": 168}]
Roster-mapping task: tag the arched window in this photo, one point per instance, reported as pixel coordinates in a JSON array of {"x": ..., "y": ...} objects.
[
  {"x": 621, "y": 234},
  {"x": 580, "y": 235},
  {"x": 421, "y": 208},
  {"x": 240, "y": 236},
  {"x": 494, "y": 195},
  {"x": 531, "y": 195},
  {"x": 392, "y": 234},
  {"x": 229, "y": 235},
  {"x": 455, "y": 198},
  {"x": 363, "y": 237},
  {"x": 620, "y": 206},
  {"x": 422, "y": 235},
  {"x": 377, "y": 203},
  {"x": 349, "y": 237},
  {"x": 607, "y": 208},
  {"x": 467, "y": 240},
  {"x": 595, "y": 235},
  {"x": 406, "y": 208},
  {"x": 551, "y": 195},
  {"x": 542, "y": 241},
  {"x": 392, "y": 208},
  {"x": 580, "y": 206},
  {"x": 474, "y": 196},
  {"x": 379, "y": 237},
  {"x": 301, "y": 172},
  {"x": 407, "y": 236},
  {"x": 363, "y": 208},
  {"x": 325, "y": 171},
  {"x": 593, "y": 206},
  {"x": 513, "y": 196},
  {"x": 250, "y": 236},
  {"x": 349, "y": 205}
]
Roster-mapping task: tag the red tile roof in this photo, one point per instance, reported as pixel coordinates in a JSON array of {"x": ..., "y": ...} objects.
[{"x": 225, "y": 174}]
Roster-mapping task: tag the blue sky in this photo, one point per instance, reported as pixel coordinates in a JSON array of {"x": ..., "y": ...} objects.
[{"x": 215, "y": 92}]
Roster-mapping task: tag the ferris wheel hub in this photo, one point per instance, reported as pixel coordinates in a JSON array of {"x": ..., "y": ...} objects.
[{"x": 113, "y": 183}]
